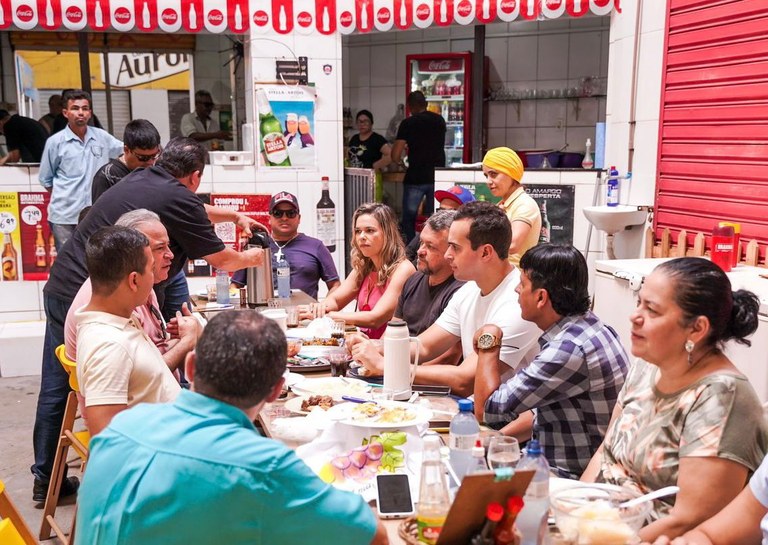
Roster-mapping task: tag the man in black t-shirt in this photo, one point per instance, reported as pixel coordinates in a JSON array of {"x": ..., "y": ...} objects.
[
  {"x": 24, "y": 137},
  {"x": 168, "y": 189},
  {"x": 424, "y": 134},
  {"x": 141, "y": 146}
]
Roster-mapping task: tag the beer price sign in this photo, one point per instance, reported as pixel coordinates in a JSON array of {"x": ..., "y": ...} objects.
[
  {"x": 38, "y": 251},
  {"x": 9, "y": 230}
]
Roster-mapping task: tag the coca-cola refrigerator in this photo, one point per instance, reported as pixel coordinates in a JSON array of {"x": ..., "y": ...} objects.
[{"x": 446, "y": 81}]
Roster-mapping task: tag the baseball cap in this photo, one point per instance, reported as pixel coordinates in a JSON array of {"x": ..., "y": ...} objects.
[
  {"x": 283, "y": 196},
  {"x": 461, "y": 195}
]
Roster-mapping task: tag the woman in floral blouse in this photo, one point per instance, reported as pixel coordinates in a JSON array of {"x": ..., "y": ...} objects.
[{"x": 686, "y": 415}]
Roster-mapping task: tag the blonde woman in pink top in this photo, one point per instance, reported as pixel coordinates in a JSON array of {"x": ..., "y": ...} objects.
[{"x": 380, "y": 270}]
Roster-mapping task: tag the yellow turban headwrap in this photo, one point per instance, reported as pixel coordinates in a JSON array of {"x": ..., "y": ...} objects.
[{"x": 506, "y": 161}]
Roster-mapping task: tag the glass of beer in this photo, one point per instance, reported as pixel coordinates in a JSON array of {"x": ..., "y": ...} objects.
[{"x": 293, "y": 316}]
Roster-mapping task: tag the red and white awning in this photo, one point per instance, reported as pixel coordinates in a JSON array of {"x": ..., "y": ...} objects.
[{"x": 280, "y": 16}]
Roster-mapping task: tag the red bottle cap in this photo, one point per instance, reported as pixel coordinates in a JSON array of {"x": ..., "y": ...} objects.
[{"x": 494, "y": 512}]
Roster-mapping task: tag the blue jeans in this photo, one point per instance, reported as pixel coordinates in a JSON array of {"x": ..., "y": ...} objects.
[
  {"x": 412, "y": 195},
  {"x": 61, "y": 233},
  {"x": 174, "y": 292},
  {"x": 54, "y": 388}
]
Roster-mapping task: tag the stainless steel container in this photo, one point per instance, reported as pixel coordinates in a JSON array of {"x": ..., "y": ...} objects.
[{"x": 259, "y": 279}]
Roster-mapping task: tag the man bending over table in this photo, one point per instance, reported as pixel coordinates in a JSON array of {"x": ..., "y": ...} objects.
[
  {"x": 197, "y": 471},
  {"x": 574, "y": 381}
]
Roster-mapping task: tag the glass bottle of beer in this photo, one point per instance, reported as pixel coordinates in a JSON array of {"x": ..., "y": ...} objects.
[
  {"x": 9, "y": 259},
  {"x": 273, "y": 142},
  {"x": 39, "y": 248},
  {"x": 52, "y": 253},
  {"x": 546, "y": 226},
  {"x": 326, "y": 218}
]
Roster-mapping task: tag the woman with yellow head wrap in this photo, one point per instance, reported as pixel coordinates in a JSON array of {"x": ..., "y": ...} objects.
[{"x": 503, "y": 169}]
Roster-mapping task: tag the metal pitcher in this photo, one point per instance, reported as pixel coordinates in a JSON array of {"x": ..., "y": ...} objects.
[{"x": 260, "y": 287}]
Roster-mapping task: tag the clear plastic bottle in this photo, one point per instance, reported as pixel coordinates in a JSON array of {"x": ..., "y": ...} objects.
[
  {"x": 283, "y": 270},
  {"x": 478, "y": 458},
  {"x": 434, "y": 501},
  {"x": 532, "y": 520},
  {"x": 464, "y": 431},
  {"x": 222, "y": 287}
]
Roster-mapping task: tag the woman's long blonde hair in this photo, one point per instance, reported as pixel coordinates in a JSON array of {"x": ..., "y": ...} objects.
[{"x": 393, "y": 252}]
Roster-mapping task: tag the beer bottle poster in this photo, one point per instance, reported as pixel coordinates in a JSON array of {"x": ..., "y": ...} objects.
[
  {"x": 253, "y": 206},
  {"x": 37, "y": 248},
  {"x": 286, "y": 126},
  {"x": 10, "y": 246},
  {"x": 556, "y": 203}
]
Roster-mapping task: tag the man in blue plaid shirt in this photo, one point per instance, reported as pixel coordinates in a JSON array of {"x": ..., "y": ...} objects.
[{"x": 573, "y": 384}]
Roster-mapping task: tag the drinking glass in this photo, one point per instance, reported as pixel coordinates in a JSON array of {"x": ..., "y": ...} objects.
[
  {"x": 339, "y": 360},
  {"x": 338, "y": 328},
  {"x": 210, "y": 291},
  {"x": 274, "y": 302},
  {"x": 292, "y": 319},
  {"x": 503, "y": 452}
]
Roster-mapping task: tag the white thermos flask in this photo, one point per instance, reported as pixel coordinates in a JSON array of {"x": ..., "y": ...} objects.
[{"x": 398, "y": 371}]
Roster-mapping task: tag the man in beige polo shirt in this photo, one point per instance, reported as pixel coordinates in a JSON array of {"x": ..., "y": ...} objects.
[{"x": 118, "y": 366}]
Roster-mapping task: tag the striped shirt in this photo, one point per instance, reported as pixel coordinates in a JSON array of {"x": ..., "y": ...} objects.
[{"x": 573, "y": 384}]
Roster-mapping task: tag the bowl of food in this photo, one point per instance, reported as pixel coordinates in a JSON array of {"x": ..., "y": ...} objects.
[
  {"x": 589, "y": 514},
  {"x": 294, "y": 346}
]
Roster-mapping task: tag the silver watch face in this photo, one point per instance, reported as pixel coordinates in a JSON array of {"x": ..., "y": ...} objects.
[{"x": 485, "y": 341}]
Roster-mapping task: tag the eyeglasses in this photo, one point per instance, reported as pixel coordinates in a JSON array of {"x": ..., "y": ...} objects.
[
  {"x": 146, "y": 158},
  {"x": 280, "y": 213}
]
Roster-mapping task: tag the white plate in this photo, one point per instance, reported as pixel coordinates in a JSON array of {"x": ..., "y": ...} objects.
[
  {"x": 294, "y": 405},
  {"x": 346, "y": 413},
  {"x": 318, "y": 351},
  {"x": 331, "y": 386},
  {"x": 292, "y": 379}
]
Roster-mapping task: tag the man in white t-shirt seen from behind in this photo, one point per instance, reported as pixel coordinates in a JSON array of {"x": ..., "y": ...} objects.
[
  {"x": 118, "y": 366},
  {"x": 478, "y": 246}
]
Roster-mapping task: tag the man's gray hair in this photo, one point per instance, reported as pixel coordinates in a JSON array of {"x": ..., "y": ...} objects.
[
  {"x": 441, "y": 220},
  {"x": 134, "y": 218}
]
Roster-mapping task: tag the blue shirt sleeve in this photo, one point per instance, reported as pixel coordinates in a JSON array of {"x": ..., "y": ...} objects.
[{"x": 48, "y": 163}]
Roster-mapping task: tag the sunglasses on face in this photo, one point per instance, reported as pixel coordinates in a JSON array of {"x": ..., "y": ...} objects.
[
  {"x": 206, "y": 104},
  {"x": 146, "y": 158},
  {"x": 280, "y": 213}
]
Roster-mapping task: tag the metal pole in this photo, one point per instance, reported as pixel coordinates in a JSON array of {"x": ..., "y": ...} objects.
[
  {"x": 108, "y": 86},
  {"x": 478, "y": 73},
  {"x": 85, "y": 65}
]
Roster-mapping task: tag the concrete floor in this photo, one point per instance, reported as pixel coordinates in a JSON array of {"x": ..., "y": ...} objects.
[{"x": 18, "y": 399}]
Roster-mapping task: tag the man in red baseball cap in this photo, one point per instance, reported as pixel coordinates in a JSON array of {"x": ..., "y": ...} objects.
[{"x": 448, "y": 199}]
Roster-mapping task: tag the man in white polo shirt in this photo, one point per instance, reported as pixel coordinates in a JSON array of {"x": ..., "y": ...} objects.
[{"x": 118, "y": 365}]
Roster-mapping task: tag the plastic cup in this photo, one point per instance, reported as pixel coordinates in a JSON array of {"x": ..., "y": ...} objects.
[{"x": 210, "y": 291}]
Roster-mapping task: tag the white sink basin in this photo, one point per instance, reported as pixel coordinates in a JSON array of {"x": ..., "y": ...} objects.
[{"x": 613, "y": 219}]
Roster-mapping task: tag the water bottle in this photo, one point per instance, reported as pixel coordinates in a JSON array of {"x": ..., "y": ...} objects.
[
  {"x": 222, "y": 287},
  {"x": 464, "y": 432},
  {"x": 283, "y": 278},
  {"x": 458, "y": 138},
  {"x": 612, "y": 195},
  {"x": 532, "y": 520},
  {"x": 434, "y": 501}
]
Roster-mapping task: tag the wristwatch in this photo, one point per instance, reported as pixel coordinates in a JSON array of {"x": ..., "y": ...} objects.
[{"x": 486, "y": 341}]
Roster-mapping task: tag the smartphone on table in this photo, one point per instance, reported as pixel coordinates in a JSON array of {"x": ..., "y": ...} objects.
[{"x": 393, "y": 495}]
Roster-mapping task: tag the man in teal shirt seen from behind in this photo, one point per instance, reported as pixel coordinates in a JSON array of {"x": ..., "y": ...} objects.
[{"x": 197, "y": 471}]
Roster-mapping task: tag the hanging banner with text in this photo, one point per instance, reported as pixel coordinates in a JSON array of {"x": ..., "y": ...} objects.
[
  {"x": 281, "y": 16},
  {"x": 556, "y": 203}
]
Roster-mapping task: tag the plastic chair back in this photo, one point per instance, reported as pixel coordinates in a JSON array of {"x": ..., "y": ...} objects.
[
  {"x": 9, "y": 535},
  {"x": 69, "y": 366}
]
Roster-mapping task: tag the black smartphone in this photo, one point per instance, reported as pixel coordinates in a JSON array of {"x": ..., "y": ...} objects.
[
  {"x": 428, "y": 389},
  {"x": 394, "y": 495}
]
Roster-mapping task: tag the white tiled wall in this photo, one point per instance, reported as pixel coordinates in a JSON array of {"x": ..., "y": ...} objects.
[{"x": 522, "y": 55}]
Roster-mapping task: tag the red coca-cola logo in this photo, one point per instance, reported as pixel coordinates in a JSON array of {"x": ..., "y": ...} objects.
[
  {"x": 169, "y": 16},
  {"x": 439, "y": 65},
  {"x": 24, "y": 13},
  {"x": 345, "y": 19},
  {"x": 260, "y": 18},
  {"x": 422, "y": 12},
  {"x": 553, "y": 4},
  {"x": 508, "y": 6},
  {"x": 304, "y": 19},
  {"x": 122, "y": 15},
  {"x": 215, "y": 17},
  {"x": 74, "y": 14},
  {"x": 383, "y": 16},
  {"x": 464, "y": 8}
]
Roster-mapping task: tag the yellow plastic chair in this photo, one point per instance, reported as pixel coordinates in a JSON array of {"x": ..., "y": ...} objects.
[
  {"x": 13, "y": 529},
  {"x": 67, "y": 438}
]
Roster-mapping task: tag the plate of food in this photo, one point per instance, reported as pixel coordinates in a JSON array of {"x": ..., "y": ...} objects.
[
  {"x": 380, "y": 414},
  {"x": 304, "y": 405},
  {"x": 297, "y": 364},
  {"x": 332, "y": 386},
  {"x": 292, "y": 379}
]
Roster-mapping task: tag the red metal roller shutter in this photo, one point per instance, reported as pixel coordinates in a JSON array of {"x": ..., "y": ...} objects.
[{"x": 713, "y": 134}]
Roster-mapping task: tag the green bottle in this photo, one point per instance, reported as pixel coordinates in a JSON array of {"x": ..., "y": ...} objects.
[{"x": 273, "y": 143}]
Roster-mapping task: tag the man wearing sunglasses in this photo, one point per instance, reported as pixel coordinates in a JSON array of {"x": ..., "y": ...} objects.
[
  {"x": 308, "y": 257},
  {"x": 141, "y": 146},
  {"x": 201, "y": 126}
]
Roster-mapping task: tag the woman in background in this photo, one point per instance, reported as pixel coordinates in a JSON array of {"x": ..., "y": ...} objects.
[
  {"x": 380, "y": 270},
  {"x": 686, "y": 415},
  {"x": 367, "y": 149}
]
